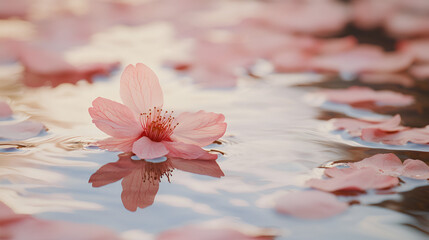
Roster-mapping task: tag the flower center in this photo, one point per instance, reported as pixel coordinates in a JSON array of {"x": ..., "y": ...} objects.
[{"x": 158, "y": 125}]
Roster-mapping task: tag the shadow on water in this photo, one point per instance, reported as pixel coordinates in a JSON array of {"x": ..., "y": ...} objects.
[{"x": 140, "y": 179}]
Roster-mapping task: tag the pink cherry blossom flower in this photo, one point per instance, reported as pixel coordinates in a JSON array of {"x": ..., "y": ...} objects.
[{"x": 141, "y": 126}]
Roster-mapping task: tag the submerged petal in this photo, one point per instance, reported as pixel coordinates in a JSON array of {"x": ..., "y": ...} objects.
[
  {"x": 140, "y": 89},
  {"x": 114, "y": 118},
  {"x": 188, "y": 151},
  {"x": 145, "y": 148},
  {"x": 200, "y": 128}
]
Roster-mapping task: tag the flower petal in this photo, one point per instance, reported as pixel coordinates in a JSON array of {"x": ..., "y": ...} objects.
[
  {"x": 415, "y": 169},
  {"x": 22, "y": 130},
  {"x": 145, "y": 148},
  {"x": 188, "y": 151},
  {"x": 200, "y": 128},
  {"x": 115, "y": 119},
  {"x": 140, "y": 89},
  {"x": 310, "y": 205},
  {"x": 117, "y": 144},
  {"x": 388, "y": 164},
  {"x": 354, "y": 180}
]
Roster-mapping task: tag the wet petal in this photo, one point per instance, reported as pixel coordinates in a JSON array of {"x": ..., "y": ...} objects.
[
  {"x": 200, "y": 128},
  {"x": 388, "y": 164},
  {"x": 22, "y": 130},
  {"x": 145, "y": 148},
  {"x": 310, "y": 205},
  {"x": 140, "y": 89},
  {"x": 188, "y": 151},
  {"x": 355, "y": 95},
  {"x": 115, "y": 119},
  {"x": 354, "y": 180},
  {"x": 415, "y": 169},
  {"x": 413, "y": 135},
  {"x": 362, "y": 59}
]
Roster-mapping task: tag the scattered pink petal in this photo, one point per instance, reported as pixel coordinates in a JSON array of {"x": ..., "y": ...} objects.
[
  {"x": 386, "y": 164},
  {"x": 5, "y": 110},
  {"x": 310, "y": 205},
  {"x": 364, "y": 58},
  {"x": 42, "y": 67},
  {"x": 355, "y": 126},
  {"x": 353, "y": 180},
  {"x": 387, "y": 78},
  {"x": 141, "y": 179},
  {"x": 420, "y": 71},
  {"x": 21, "y": 130},
  {"x": 291, "y": 61},
  {"x": 304, "y": 16},
  {"x": 415, "y": 169},
  {"x": 144, "y": 127},
  {"x": 418, "y": 48},
  {"x": 407, "y": 25},
  {"x": 357, "y": 95},
  {"x": 21, "y": 226},
  {"x": 202, "y": 233},
  {"x": 16, "y": 8},
  {"x": 413, "y": 135},
  {"x": 368, "y": 14}
]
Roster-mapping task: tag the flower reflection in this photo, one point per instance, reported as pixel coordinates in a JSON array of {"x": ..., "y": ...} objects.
[{"x": 141, "y": 178}]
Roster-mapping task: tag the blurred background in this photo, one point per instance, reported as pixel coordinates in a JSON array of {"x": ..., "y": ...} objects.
[{"x": 280, "y": 71}]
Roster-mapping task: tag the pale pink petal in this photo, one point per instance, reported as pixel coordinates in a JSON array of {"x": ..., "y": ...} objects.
[
  {"x": 202, "y": 167},
  {"x": 187, "y": 151},
  {"x": 335, "y": 45},
  {"x": 114, "y": 119},
  {"x": 368, "y": 14},
  {"x": 362, "y": 59},
  {"x": 140, "y": 89},
  {"x": 310, "y": 205},
  {"x": 415, "y": 169},
  {"x": 355, "y": 126},
  {"x": 388, "y": 164},
  {"x": 357, "y": 94},
  {"x": 413, "y": 135},
  {"x": 418, "y": 48},
  {"x": 43, "y": 62},
  {"x": 21, "y": 130},
  {"x": 37, "y": 229},
  {"x": 407, "y": 25},
  {"x": 420, "y": 71},
  {"x": 5, "y": 110},
  {"x": 387, "y": 78},
  {"x": 137, "y": 190},
  {"x": 22, "y": 226},
  {"x": 355, "y": 180},
  {"x": 200, "y": 128},
  {"x": 291, "y": 61},
  {"x": 117, "y": 144},
  {"x": 145, "y": 148},
  {"x": 202, "y": 233},
  {"x": 112, "y": 172}
]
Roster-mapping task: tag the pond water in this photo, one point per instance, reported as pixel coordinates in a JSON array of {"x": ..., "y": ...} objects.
[{"x": 277, "y": 138}]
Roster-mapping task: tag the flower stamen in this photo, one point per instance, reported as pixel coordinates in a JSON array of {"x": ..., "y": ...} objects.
[{"x": 158, "y": 125}]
